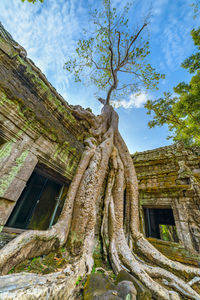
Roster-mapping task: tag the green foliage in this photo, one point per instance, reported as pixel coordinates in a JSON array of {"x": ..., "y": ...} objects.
[
  {"x": 192, "y": 63},
  {"x": 54, "y": 261},
  {"x": 168, "y": 233},
  {"x": 113, "y": 56},
  {"x": 79, "y": 279},
  {"x": 32, "y": 1},
  {"x": 196, "y": 8},
  {"x": 12, "y": 271},
  {"x": 182, "y": 112}
]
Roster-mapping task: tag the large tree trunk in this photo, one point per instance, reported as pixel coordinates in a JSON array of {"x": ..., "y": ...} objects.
[{"x": 106, "y": 162}]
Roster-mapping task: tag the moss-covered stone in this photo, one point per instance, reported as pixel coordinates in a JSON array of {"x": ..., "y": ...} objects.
[
  {"x": 8, "y": 178},
  {"x": 54, "y": 261},
  {"x": 98, "y": 286},
  {"x": 169, "y": 178},
  {"x": 176, "y": 252},
  {"x": 5, "y": 150},
  {"x": 142, "y": 292}
]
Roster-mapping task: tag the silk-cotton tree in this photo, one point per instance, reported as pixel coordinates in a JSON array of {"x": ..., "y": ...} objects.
[{"x": 106, "y": 172}]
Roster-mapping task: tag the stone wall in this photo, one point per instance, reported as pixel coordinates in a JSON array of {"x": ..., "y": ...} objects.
[
  {"x": 169, "y": 177},
  {"x": 36, "y": 125}
]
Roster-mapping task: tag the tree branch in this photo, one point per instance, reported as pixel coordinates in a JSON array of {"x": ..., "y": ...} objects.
[
  {"x": 118, "y": 49},
  {"x": 131, "y": 43},
  {"x": 131, "y": 72},
  {"x": 125, "y": 86},
  {"x": 114, "y": 75},
  {"x": 107, "y": 82},
  {"x": 97, "y": 67},
  {"x": 123, "y": 62}
]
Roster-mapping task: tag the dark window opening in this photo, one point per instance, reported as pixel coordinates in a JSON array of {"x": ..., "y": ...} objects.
[
  {"x": 40, "y": 203},
  {"x": 186, "y": 180},
  {"x": 2, "y": 141},
  {"x": 160, "y": 224}
]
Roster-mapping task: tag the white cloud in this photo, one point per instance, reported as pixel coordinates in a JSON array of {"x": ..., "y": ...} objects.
[
  {"x": 136, "y": 100},
  {"x": 176, "y": 40},
  {"x": 48, "y": 32},
  {"x": 158, "y": 7}
]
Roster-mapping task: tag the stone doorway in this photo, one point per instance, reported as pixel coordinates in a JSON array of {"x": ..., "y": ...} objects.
[
  {"x": 40, "y": 203},
  {"x": 160, "y": 224}
]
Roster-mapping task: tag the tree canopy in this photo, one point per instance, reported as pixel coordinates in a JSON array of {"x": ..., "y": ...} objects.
[
  {"x": 114, "y": 54},
  {"x": 196, "y": 6},
  {"x": 32, "y": 1},
  {"x": 181, "y": 112}
]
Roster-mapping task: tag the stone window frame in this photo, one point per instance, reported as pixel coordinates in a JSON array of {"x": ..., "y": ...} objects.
[
  {"x": 158, "y": 206},
  {"x": 49, "y": 173}
]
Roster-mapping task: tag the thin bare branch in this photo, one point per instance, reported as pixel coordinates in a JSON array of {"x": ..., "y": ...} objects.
[
  {"x": 132, "y": 72},
  {"x": 107, "y": 82},
  {"x": 129, "y": 72},
  {"x": 131, "y": 43},
  {"x": 124, "y": 87},
  {"x": 118, "y": 47},
  {"x": 97, "y": 67}
]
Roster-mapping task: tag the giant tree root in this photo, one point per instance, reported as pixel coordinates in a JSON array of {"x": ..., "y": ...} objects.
[
  {"x": 106, "y": 158},
  {"x": 57, "y": 285}
]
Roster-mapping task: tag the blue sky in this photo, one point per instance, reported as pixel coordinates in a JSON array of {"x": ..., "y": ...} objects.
[{"x": 49, "y": 33}]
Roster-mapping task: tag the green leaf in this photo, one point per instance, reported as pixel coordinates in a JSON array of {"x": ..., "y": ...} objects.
[{"x": 112, "y": 53}]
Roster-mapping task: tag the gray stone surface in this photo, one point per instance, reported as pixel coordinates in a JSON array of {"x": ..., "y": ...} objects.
[
  {"x": 6, "y": 238},
  {"x": 99, "y": 287},
  {"x": 142, "y": 292},
  {"x": 169, "y": 177},
  {"x": 126, "y": 288}
]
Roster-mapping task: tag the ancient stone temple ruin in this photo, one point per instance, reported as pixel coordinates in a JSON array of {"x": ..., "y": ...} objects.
[
  {"x": 41, "y": 144},
  {"x": 169, "y": 195}
]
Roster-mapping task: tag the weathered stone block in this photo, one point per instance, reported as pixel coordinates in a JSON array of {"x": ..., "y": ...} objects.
[
  {"x": 15, "y": 189},
  {"x": 28, "y": 167},
  {"x": 99, "y": 287},
  {"x": 6, "y": 207},
  {"x": 142, "y": 292}
]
